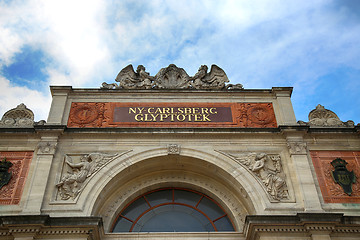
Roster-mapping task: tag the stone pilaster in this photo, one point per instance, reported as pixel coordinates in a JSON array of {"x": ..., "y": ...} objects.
[
  {"x": 298, "y": 153},
  {"x": 44, "y": 157}
]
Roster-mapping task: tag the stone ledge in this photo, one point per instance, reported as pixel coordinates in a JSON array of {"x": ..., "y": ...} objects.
[
  {"x": 38, "y": 225},
  {"x": 307, "y": 223}
]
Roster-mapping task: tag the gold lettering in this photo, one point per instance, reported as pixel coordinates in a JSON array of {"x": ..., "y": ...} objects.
[
  {"x": 187, "y": 111},
  {"x": 146, "y": 118},
  {"x": 158, "y": 110},
  {"x": 204, "y": 111},
  {"x": 206, "y": 118},
  {"x": 163, "y": 116},
  {"x": 189, "y": 117},
  {"x": 154, "y": 117},
  {"x": 139, "y": 117},
  {"x": 180, "y": 114},
  {"x": 197, "y": 118},
  {"x": 181, "y": 117},
  {"x": 213, "y": 111},
  {"x": 172, "y": 117},
  {"x": 166, "y": 110},
  {"x": 132, "y": 110}
]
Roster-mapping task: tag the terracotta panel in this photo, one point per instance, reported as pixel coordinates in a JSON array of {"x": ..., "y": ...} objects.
[
  {"x": 331, "y": 191},
  {"x": 110, "y": 114},
  {"x": 11, "y": 193}
]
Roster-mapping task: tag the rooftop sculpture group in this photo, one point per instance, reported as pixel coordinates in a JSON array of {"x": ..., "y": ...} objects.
[{"x": 171, "y": 77}]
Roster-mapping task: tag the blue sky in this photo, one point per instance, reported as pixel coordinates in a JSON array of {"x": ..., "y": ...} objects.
[{"x": 312, "y": 46}]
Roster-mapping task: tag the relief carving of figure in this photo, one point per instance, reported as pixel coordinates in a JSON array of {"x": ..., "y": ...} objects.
[
  {"x": 269, "y": 175},
  {"x": 268, "y": 169},
  {"x": 72, "y": 183}
]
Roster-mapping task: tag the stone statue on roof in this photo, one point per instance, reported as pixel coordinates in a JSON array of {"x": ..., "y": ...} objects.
[{"x": 172, "y": 77}]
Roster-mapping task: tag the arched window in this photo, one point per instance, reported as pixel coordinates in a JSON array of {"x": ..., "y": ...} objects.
[{"x": 172, "y": 210}]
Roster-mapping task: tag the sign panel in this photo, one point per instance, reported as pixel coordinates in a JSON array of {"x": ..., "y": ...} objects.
[
  {"x": 173, "y": 114},
  {"x": 162, "y": 114}
]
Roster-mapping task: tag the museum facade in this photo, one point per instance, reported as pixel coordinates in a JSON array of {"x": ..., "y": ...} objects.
[{"x": 174, "y": 156}]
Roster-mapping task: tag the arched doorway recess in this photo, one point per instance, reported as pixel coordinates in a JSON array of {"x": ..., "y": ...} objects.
[{"x": 173, "y": 171}]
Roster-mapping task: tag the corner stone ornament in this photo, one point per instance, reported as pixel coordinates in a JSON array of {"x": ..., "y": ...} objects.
[
  {"x": 5, "y": 175},
  {"x": 342, "y": 176},
  {"x": 19, "y": 117},
  {"x": 172, "y": 77},
  {"x": 73, "y": 182},
  {"x": 321, "y": 117},
  {"x": 267, "y": 169}
]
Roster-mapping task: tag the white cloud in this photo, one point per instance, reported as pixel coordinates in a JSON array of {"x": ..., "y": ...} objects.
[
  {"x": 258, "y": 43},
  {"x": 9, "y": 45},
  {"x": 11, "y": 96},
  {"x": 70, "y": 32}
]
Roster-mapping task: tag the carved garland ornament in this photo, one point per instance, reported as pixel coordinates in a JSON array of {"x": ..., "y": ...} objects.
[
  {"x": 171, "y": 77},
  {"x": 267, "y": 169}
]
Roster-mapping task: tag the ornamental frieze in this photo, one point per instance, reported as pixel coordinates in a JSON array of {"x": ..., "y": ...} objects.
[
  {"x": 111, "y": 114},
  {"x": 267, "y": 169}
]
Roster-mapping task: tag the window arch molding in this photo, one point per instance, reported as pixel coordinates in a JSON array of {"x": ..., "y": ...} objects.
[{"x": 172, "y": 209}]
